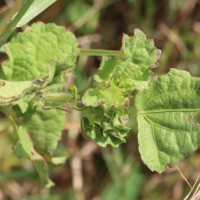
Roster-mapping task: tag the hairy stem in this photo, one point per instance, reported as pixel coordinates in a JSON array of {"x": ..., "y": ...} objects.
[
  {"x": 12, "y": 25},
  {"x": 99, "y": 52}
]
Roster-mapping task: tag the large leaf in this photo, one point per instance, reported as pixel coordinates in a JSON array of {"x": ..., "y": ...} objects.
[
  {"x": 45, "y": 127},
  {"x": 39, "y": 51},
  {"x": 36, "y": 8},
  {"x": 165, "y": 111}
]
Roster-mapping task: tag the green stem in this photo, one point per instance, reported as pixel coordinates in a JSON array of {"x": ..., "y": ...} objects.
[
  {"x": 99, "y": 52},
  {"x": 12, "y": 25}
]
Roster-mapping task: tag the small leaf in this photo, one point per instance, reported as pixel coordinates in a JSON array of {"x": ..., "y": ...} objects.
[
  {"x": 140, "y": 56},
  {"x": 104, "y": 96},
  {"x": 139, "y": 50},
  {"x": 105, "y": 128},
  {"x": 166, "y": 133}
]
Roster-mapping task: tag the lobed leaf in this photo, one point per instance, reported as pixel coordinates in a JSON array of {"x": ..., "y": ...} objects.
[
  {"x": 139, "y": 50},
  {"x": 165, "y": 110},
  {"x": 140, "y": 56},
  {"x": 132, "y": 70},
  {"x": 106, "y": 128}
]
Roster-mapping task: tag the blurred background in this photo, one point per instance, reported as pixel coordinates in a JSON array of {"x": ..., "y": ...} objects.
[{"x": 89, "y": 172}]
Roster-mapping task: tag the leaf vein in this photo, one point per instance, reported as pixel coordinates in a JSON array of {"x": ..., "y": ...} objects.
[{"x": 167, "y": 93}]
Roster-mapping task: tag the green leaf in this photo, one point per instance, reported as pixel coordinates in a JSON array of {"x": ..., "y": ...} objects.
[
  {"x": 104, "y": 96},
  {"x": 13, "y": 90},
  {"x": 140, "y": 56},
  {"x": 45, "y": 127},
  {"x": 129, "y": 72},
  {"x": 41, "y": 50},
  {"x": 20, "y": 92},
  {"x": 140, "y": 50},
  {"x": 42, "y": 169},
  {"x": 130, "y": 76},
  {"x": 36, "y": 8},
  {"x": 111, "y": 89},
  {"x": 103, "y": 88},
  {"x": 24, "y": 148},
  {"x": 106, "y": 128},
  {"x": 119, "y": 77},
  {"x": 165, "y": 111}
]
